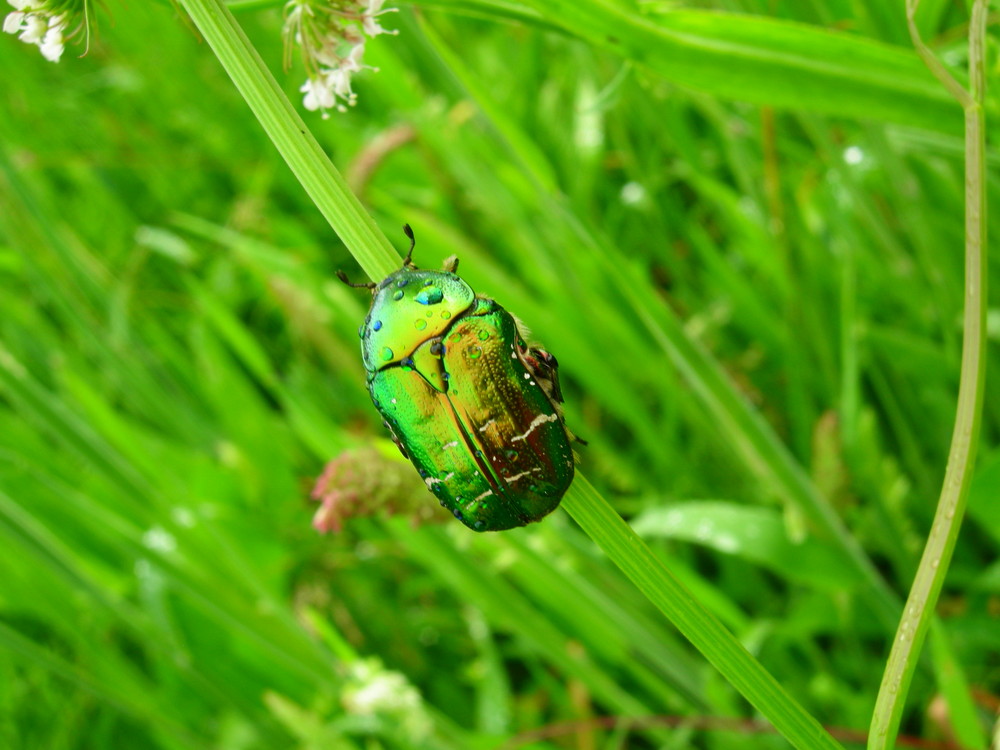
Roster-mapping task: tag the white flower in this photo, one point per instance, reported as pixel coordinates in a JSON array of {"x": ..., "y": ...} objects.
[
  {"x": 317, "y": 95},
  {"x": 369, "y": 24},
  {"x": 12, "y": 23},
  {"x": 352, "y": 63},
  {"x": 25, "y": 4},
  {"x": 34, "y": 28},
  {"x": 52, "y": 45}
]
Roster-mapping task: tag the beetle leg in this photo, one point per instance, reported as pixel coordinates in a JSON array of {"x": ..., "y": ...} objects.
[
  {"x": 545, "y": 368},
  {"x": 413, "y": 241},
  {"x": 367, "y": 285},
  {"x": 451, "y": 263}
]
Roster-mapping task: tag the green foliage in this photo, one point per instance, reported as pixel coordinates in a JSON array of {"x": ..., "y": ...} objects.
[{"x": 756, "y": 313}]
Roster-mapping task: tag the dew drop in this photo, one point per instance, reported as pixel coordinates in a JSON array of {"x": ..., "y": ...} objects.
[
  {"x": 386, "y": 354},
  {"x": 429, "y": 295},
  {"x": 475, "y": 352},
  {"x": 483, "y": 335},
  {"x": 428, "y": 282},
  {"x": 377, "y": 325},
  {"x": 445, "y": 315},
  {"x": 420, "y": 324},
  {"x": 406, "y": 364},
  {"x": 397, "y": 295},
  {"x": 437, "y": 349},
  {"x": 402, "y": 282},
  {"x": 361, "y": 332},
  {"x": 511, "y": 454},
  {"x": 477, "y": 525}
]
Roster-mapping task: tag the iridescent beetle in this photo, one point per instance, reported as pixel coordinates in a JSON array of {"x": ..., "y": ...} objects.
[{"x": 467, "y": 400}]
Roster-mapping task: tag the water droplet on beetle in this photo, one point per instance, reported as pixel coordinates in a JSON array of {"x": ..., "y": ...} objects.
[
  {"x": 437, "y": 349},
  {"x": 483, "y": 335},
  {"x": 377, "y": 325},
  {"x": 406, "y": 364},
  {"x": 402, "y": 282},
  {"x": 511, "y": 454},
  {"x": 386, "y": 354},
  {"x": 361, "y": 332},
  {"x": 420, "y": 324},
  {"x": 397, "y": 295},
  {"x": 429, "y": 295},
  {"x": 475, "y": 352}
]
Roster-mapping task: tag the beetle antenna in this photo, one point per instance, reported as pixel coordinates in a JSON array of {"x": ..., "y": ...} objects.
[
  {"x": 367, "y": 285},
  {"x": 409, "y": 254}
]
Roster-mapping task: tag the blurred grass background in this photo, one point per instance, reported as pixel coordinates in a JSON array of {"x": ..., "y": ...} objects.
[{"x": 177, "y": 363}]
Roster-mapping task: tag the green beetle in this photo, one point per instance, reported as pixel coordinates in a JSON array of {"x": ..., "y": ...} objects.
[{"x": 467, "y": 400}]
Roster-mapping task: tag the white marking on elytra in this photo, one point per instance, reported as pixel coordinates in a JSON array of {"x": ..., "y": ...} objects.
[
  {"x": 485, "y": 494},
  {"x": 452, "y": 444},
  {"x": 536, "y": 422},
  {"x": 522, "y": 474},
  {"x": 487, "y": 424},
  {"x": 431, "y": 481}
]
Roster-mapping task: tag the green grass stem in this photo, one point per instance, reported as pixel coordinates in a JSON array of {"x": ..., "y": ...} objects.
[{"x": 920, "y": 604}]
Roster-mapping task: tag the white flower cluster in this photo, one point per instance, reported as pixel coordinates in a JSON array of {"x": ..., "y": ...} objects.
[
  {"x": 35, "y": 24},
  {"x": 373, "y": 690},
  {"x": 331, "y": 35}
]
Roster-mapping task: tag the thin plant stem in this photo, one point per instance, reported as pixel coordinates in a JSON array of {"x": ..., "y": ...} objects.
[{"x": 919, "y": 609}]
